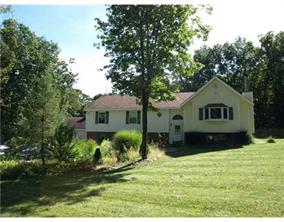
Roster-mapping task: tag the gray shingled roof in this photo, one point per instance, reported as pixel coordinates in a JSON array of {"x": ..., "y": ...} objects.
[{"x": 109, "y": 102}]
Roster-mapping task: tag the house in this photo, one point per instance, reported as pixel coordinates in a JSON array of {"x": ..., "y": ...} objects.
[
  {"x": 79, "y": 127},
  {"x": 216, "y": 108}
]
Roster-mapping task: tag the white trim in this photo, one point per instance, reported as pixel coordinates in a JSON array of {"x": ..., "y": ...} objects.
[
  {"x": 135, "y": 116},
  {"x": 215, "y": 119},
  {"x": 104, "y": 117}
]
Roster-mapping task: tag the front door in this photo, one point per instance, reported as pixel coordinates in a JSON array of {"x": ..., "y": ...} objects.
[
  {"x": 177, "y": 132},
  {"x": 176, "y": 129}
]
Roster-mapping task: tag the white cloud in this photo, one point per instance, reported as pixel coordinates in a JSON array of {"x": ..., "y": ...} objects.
[
  {"x": 90, "y": 80},
  {"x": 248, "y": 19}
]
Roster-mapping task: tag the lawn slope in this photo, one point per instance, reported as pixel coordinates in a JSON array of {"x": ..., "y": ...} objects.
[{"x": 246, "y": 182}]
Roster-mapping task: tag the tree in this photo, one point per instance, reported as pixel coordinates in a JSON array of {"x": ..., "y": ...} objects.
[
  {"x": 230, "y": 61},
  {"x": 84, "y": 99},
  {"x": 62, "y": 147},
  {"x": 43, "y": 116},
  {"x": 148, "y": 46},
  {"x": 25, "y": 60},
  {"x": 5, "y": 9},
  {"x": 270, "y": 81}
]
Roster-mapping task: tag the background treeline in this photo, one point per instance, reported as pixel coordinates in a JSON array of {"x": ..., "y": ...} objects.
[{"x": 263, "y": 65}]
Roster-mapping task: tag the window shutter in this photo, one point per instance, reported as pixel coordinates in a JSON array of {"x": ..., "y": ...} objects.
[
  {"x": 200, "y": 113},
  {"x": 107, "y": 117},
  {"x": 97, "y": 117},
  {"x": 138, "y": 116},
  {"x": 231, "y": 116},
  {"x": 206, "y": 113},
  {"x": 127, "y": 117}
]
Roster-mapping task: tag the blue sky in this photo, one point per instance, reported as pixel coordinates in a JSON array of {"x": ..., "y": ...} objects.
[{"x": 72, "y": 27}]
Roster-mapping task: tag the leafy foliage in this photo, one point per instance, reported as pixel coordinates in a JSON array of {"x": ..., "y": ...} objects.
[
  {"x": 42, "y": 116},
  {"x": 62, "y": 147},
  {"x": 124, "y": 141},
  {"x": 270, "y": 139},
  {"x": 84, "y": 99},
  {"x": 84, "y": 151},
  {"x": 148, "y": 46},
  {"x": 29, "y": 65},
  {"x": 106, "y": 148},
  {"x": 13, "y": 169},
  {"x": 127, "y": 139}
]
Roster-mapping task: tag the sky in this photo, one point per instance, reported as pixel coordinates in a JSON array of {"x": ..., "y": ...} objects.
[{"x": 72, "y": 28}]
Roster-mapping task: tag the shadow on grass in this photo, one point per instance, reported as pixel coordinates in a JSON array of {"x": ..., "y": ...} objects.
[
  {"x": 179, "y": 151},
  {"x": 24, "y": 196}
]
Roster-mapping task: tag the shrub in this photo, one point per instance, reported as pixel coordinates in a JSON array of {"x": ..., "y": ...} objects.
[
  {"x": 13, "y": 169},
  {"x": 155, "y": 150},
  {"x": 124, "y": 141},
  {"x": 62, "y": 146},
  {"x": 127, "y": 139},
  {"x": 106, "y": 148},
  {"x": 84, "y": 151},
  {"x": 245, "y": 138},
  {"x": 270, "y": 139}
]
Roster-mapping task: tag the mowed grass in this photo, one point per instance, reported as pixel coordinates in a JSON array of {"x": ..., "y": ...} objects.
[{"x": 187, "y": 182}]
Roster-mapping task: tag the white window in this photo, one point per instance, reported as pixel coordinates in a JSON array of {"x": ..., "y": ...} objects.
[
  {"x": 133, "y": 117},
  {"x": 102, "y": 117},
  {"x": 214, "y": 112}
]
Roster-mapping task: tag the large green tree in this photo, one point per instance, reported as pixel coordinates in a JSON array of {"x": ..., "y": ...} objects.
[
  {"x": 230, "y": 61},
  {"x": 25, "y": 60},
  {"x": 43, "y": 114},
  {"x": 148, "y": 46},
  {"x": 269, "y": 82}
]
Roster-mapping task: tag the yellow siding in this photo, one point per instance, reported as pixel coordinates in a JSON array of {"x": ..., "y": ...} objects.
[{"x": 216, "y": 92}]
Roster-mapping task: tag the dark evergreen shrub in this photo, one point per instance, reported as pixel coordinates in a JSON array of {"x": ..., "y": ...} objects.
[{"x": 270, "y": 139}]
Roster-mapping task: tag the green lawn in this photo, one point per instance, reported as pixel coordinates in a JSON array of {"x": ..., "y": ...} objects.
[{"x": 246, "y": 182}]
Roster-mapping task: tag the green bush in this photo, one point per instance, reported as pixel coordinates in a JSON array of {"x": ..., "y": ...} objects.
[
  {"x": 106, "y": 148},
  {"x": 84, "y": 151},
  {"x": 62, "y": 146},
  {"x": 123, "y": 141},
  {"x": 270, "y": 139},
  {"x": 13, "y": 169},
  {"x": 127, "y": 139},
  {"x": 245, "y": 138}
]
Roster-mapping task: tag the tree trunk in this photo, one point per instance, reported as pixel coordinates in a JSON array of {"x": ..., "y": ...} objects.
[{"x": 143, "y": 147}]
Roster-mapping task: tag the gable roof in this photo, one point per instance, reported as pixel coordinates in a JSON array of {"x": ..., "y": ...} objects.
[
  {"x": 119, "y": 102},
  {"x": 215, "y": 78},
  {"x": 77, "y": 122}
]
